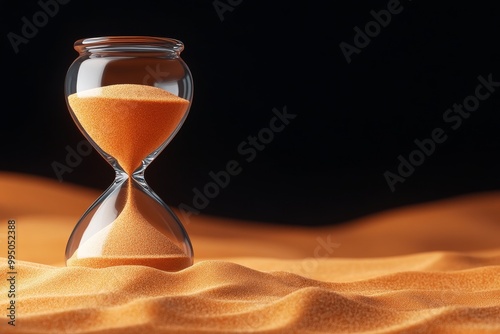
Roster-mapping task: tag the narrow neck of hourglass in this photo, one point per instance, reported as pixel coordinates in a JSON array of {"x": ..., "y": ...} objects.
[
  {"x": 126, "y": 169},
  {"x": 138, "y": 174},
  {"x": 122, "y": 174}
]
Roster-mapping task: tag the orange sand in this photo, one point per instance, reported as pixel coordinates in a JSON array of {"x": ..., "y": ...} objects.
[
  {"x": 429, "y": 268},
  {"x": 128, "y": 121},
  {"x": 130, "y": 239}
]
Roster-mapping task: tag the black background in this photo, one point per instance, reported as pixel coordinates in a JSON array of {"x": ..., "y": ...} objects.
[{"x": 353, "y": 120}]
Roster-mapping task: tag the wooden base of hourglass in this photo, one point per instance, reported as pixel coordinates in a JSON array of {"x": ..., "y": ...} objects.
[{"x": 129, "y": 122}]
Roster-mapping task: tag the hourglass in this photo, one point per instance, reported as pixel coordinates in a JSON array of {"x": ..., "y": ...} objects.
[{"x": 129, "y": 95}]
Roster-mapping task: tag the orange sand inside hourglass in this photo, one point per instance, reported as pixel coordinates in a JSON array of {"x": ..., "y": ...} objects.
[{"x": 129, "y": 122}]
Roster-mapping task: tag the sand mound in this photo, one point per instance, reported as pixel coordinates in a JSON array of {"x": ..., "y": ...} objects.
[{"x": 293, "y": 280}]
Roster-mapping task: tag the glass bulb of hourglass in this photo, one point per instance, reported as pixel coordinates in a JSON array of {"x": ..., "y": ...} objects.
[{"x": 129, "y": 123}]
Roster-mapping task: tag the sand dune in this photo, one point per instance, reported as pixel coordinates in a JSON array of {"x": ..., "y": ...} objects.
[
  {"x": 431, "y": 268},
  {"x": 222, "y": 296}
]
